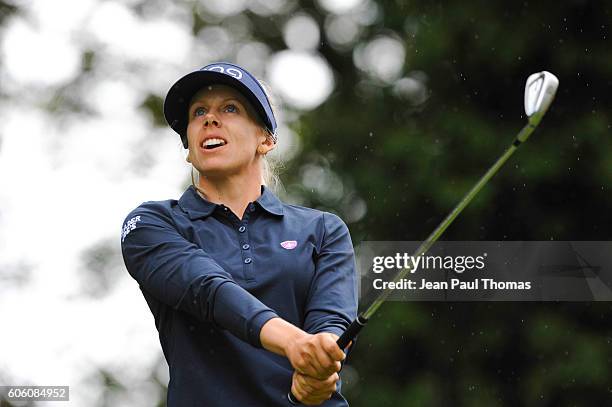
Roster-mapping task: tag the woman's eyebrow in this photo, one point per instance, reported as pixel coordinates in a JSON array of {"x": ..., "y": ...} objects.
[
  {"x": 202, "y": 102},
  {"x": 232, "y": 99}
]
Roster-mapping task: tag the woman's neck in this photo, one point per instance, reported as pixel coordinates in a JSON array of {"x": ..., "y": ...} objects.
[{"x": 234, "y": 192}]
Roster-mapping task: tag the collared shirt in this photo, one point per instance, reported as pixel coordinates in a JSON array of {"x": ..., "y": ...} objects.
[{"x": 213, "y": 280}]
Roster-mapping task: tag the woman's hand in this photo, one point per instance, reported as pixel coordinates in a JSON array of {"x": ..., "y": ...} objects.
[
  {"x": 312, "y": 392},
  {"x": 317, "y": 356}
]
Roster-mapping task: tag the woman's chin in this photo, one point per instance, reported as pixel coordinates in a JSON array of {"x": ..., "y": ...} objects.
[{"x": 214, "y": 170}]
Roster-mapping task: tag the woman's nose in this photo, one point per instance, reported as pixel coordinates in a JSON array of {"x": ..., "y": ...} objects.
[{"x": 210, "y": 121}]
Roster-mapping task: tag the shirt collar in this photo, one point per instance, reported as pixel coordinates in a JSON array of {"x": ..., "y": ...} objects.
[
  {"x": 269, "y": 202},
  {"x": 195, "y": 205},
  {"x": 198, "y": 207}
]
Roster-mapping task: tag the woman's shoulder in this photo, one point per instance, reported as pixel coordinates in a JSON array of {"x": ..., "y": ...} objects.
[
  {"x": 163, "y": 205},
  {"x": 323, "y": 215},
  {"x": 293, "y": 209},
  {"x": 150, "y": 214},
  {"x": 156, "y": 209}
]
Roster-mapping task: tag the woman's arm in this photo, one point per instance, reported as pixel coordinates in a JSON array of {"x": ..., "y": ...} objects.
[
  {"x": 330, "y": 307},
  {"x": 182, "y": 275},
  {"x": 332, "y": 299}
]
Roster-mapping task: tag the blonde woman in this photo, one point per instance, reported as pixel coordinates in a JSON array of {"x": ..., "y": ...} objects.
[{"x": 249, "y": 294}]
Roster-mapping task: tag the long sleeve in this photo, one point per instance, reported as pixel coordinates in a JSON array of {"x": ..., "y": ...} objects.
[
  {"x": 332, "y": 299},
  {"x": 182, "y": 275}
]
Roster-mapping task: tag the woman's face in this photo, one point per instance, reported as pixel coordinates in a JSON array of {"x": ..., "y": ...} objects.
[{"x": 222, "y": 133}]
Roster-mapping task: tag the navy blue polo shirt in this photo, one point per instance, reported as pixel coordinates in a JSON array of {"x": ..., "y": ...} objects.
[{"x": 213, "y": 280}]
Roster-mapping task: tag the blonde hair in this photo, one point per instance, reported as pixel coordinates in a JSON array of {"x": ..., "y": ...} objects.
[{"x": 270, "y": 168}]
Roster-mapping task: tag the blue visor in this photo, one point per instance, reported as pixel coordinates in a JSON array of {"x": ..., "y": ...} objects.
[{"x": 176, "y": 105}]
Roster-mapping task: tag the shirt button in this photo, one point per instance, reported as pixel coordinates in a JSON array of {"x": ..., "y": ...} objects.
[
  {"x": 252, "y": 207},
  {"x": 241, "y": 229},
  {"x": 247, "y": 260},
  {"x": 245, "y": 246}
]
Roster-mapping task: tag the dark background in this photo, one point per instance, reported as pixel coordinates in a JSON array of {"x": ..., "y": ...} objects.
[{"x": 422, "y": 159}]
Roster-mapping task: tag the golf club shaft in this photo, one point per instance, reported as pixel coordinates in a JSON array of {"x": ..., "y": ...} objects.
[{"x": 362, "y": 319}]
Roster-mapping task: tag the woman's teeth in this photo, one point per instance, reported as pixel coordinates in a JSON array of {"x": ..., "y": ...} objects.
[{"x": 213, "y": 142}]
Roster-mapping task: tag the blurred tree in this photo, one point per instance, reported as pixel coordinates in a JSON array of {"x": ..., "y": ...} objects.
[
  {"x": 403, "y": 142},
  {"x": 412, "y": 153}
]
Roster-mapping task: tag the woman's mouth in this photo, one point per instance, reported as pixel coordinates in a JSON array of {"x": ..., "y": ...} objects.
[{"x": 212, "y": 143}]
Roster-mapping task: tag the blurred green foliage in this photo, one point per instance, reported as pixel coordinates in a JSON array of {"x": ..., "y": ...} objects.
[
  {"x": 411, "y": 162},
  {"x": 412, "y": 165}
]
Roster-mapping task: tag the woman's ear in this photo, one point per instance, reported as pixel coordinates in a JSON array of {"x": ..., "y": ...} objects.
[
  {"x": 266, "y": 145},
  {"x": 266, "y": 141},
  {"x": 188, "y": 158}
]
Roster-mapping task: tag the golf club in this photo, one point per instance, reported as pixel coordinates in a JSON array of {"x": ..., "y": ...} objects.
[{"x": 540, "y": 91}]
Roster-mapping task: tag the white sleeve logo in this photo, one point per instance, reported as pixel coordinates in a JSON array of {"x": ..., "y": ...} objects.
[{"x": 129, "y": 226}]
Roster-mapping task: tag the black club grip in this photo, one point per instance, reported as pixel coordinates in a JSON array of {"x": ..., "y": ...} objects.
[{"x": 352, "y": 332}]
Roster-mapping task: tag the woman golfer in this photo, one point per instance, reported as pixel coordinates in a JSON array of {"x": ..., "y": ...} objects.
[{"x": 249, "y": 294}]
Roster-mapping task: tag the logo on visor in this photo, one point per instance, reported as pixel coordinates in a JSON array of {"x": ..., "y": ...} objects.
[
  {"x": 289, "y": 244},
  {"x": 236, "y": 73}
]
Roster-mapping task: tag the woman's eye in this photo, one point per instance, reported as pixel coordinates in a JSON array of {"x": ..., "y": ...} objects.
[
  {"x": 199, "y": 111},
  {"x": 231, "y": 108}
]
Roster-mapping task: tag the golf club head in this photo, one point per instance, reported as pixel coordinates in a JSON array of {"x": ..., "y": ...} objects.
[{"x": 539, "y": 93}]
